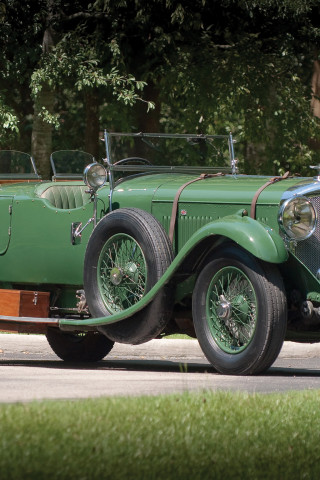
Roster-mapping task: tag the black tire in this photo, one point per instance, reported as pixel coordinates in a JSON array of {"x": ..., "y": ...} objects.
[
  {"x": 239, "y": 312},
  {"x": 81, "y": 347},
  {"x": 127, "y": 254}
]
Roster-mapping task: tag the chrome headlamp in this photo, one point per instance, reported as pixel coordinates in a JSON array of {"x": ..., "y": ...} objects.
[
  {"x": 297, "y": 218},
  {"x": 95, "y": 175}
]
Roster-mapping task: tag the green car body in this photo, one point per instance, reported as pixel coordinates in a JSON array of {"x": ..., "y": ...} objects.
[{"x": 231, "y": 259}]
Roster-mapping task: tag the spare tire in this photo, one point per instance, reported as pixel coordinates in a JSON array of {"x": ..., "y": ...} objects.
[{"x": 127, "y": 253}]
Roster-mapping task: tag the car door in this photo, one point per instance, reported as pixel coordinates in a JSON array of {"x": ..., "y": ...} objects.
[{"x": 5, "y": 219}]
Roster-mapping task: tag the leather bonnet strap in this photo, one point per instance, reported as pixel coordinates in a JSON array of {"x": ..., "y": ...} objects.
[
  {"x": 177, "y": 196},
  {"x": 256, "y": 195}
]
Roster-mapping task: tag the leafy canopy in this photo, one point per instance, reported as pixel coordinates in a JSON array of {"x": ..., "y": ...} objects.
[{"x": 208, "y": 66}]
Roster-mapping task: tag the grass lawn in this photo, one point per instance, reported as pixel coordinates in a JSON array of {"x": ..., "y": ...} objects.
[{"x": 190, "y": 436}]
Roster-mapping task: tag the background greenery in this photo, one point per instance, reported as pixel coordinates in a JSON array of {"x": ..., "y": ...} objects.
[{"x": 69, "y": 69}]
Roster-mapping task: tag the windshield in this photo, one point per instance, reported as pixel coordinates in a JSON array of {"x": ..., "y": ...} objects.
[
  {"x": 14, "y": 164},
  {"x": 177, "y": 151},
  {"x": 69, "y": 163}
]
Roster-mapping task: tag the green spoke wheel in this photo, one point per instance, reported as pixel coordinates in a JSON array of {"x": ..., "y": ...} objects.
[
  {"x": 231, "y": 309},
  {"x": 122, "y": 273},
  {"x": 128, "y": 252},
  {"x": 239, "y": 312}
]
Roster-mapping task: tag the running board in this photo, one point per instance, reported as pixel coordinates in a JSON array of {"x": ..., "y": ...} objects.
[{"x": 26, "y": 324}]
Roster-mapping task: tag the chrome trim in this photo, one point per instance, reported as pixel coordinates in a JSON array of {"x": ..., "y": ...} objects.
[
  {"x": 316, "y": 167},
  {"x": 108, "y": 161},
  {"x": 307, "y": 251},
  {"x": 280, "y": 218},
  {"x": 305, "y": 188}
]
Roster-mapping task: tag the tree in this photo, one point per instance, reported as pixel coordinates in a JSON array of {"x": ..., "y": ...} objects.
[
  {"x": 61, "y": 56},
  {"x": 235, "y": 65},
  {"x": 15, "y": 71},
  {"x": 210, "y": 66},
  {"x": 75, "y": 62},
  {"x": 251, "y": 77}
]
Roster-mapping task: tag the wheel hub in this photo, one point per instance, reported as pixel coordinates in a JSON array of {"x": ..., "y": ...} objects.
[
  {"x": 132, "y": 271},
  {"x": 224, "y": 308},
  {"x": 243, "y": 307},
  {"x": 116, "y": 276}
]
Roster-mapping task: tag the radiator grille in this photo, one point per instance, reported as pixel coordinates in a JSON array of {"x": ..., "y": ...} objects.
[{"x": 308, "y": 251}]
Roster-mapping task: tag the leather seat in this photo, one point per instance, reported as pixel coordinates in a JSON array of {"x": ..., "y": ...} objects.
[{"x": 65, "y": 196}]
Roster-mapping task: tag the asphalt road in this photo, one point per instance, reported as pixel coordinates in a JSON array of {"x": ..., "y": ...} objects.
[{"x": 29, "y": 370}]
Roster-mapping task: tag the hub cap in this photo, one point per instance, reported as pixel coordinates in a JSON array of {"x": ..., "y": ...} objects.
[
  {"x": 116, "y": 276},
  {"x": 223, "y": 308}
]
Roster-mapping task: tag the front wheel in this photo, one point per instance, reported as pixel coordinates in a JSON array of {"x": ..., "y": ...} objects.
[{"x": 239, "y": 312}]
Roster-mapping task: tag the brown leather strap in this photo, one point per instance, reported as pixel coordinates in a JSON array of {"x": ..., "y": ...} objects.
[
  {"x": 256, "y": 195},
  {"x": 177, "y": 196}
]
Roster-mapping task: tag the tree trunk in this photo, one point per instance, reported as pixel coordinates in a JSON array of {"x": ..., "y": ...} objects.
[
  {"x": 91, "y": 140},
  {"x": 314, "y": 143},
  {"x": 41, "y": 141},
  {"x": 315, "y": 103}
]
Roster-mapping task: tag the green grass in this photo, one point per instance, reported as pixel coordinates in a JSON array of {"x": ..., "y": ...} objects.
[
  {"x": 190, "y": 436},
  {"x": 178, "y": 336}
]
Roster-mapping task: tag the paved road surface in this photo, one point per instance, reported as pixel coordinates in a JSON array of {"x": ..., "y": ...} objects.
[{"x": 29, "y": 370}]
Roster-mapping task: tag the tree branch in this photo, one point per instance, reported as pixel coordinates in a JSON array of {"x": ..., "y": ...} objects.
[{"x": 80, "y": 15}]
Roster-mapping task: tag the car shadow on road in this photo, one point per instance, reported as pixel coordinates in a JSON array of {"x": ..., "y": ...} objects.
[
  {"x": 292, "y": 372},
  {"x": 127, "y": 364},
  {"x": 153, "y": 365}
]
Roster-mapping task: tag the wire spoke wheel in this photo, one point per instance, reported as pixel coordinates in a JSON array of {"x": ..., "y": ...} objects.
[
  {"x": 239, "y": 312},
  {"x": 122, "y": 273},
  {"x": 128, "y": 252},
  {"x": 231, "y": 309}
]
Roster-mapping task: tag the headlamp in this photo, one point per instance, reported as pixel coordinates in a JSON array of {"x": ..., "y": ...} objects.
[
  {"x": 95, "y": 175},
  {"x": 297, "y": 218}
]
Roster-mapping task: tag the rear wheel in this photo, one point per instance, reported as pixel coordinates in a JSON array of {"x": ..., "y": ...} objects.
[
  {"x": 127, "y": 254},
  {"x": 239, "y": 312},
  {"x": 79, "y": 347}
]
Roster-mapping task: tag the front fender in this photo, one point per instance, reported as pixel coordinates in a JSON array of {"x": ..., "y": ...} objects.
[{"x": 255, "y": 237}]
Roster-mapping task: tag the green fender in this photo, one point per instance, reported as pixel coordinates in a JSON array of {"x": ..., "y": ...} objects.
[{"x": 255, "y": 237}]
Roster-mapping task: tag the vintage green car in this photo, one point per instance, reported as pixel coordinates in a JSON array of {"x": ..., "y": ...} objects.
[{"x": 145, "y": 243}]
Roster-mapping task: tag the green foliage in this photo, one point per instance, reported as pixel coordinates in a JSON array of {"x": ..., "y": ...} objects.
[
  {"x": 74, "y": 61},
  {"x": 253, "y": 79},
  {"x": 191, "y": 436},
  {"x": 203, "y": 66},
  {"x": 280, "y": 8},
  {"x": 8, "y": 123}
]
